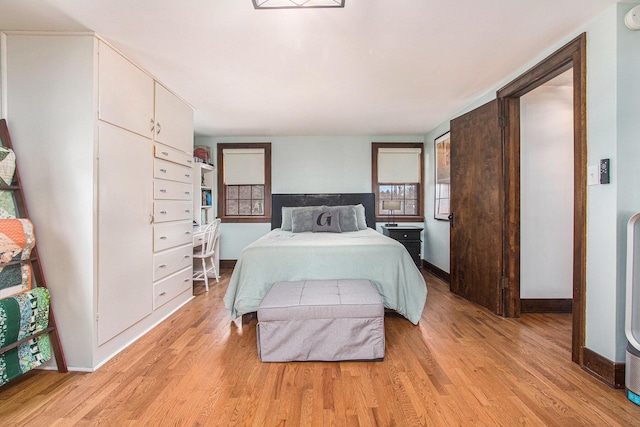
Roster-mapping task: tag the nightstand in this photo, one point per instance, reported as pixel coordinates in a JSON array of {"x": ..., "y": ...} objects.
[{"x": 409, "y": 236}]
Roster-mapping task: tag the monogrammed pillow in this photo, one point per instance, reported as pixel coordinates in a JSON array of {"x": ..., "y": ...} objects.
[{"x": 326, "y": 220}]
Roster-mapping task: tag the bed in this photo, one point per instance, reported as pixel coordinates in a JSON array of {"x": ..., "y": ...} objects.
[{"x": 283, "y": 255}]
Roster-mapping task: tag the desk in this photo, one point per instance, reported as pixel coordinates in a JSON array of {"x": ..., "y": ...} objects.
[{"x": 198, "y": 237}]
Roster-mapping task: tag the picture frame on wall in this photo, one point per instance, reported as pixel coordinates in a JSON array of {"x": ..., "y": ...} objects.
[{"x": 442, "y": 147}]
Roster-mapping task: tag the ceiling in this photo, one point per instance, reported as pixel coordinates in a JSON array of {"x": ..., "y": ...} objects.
[{"x": 374, "y": 67}]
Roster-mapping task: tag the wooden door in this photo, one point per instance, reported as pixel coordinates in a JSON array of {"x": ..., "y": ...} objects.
[{"x": 476, "y": 206}]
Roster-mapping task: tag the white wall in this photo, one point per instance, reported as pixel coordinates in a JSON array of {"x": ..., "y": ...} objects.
[
  {"x": 546, "y": 192},
  {"x": 613, "y": 106},
  {"x": 312, "y": 164}
]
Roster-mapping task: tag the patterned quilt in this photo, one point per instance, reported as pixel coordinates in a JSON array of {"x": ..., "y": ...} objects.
[
  {"x": 7, "y": 169},
  {"x": 16, "y": 242},
  {"x": 20, "y": 316}
]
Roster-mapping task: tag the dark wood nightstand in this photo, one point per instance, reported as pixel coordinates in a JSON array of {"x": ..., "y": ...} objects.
[{"x": 409, "y": 236}]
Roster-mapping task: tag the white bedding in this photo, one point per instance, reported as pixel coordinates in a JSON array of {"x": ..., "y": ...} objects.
[{"x": 285, "y": 256}]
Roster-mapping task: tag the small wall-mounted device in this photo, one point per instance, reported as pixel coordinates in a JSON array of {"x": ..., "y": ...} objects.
[{"x": 604, "y": 171}]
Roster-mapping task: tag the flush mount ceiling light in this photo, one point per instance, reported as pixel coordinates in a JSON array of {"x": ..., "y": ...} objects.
[{"x": 296, "y": 4}]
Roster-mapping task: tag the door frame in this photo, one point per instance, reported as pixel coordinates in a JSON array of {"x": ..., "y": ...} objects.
[{"x": 571, "y": 55}]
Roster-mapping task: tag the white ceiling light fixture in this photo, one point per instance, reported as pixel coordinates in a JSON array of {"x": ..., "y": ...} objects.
[{"x": 296, "y": 4}]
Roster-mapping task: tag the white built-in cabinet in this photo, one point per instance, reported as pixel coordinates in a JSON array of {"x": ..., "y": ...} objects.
[{"x": 93, "y": 133}]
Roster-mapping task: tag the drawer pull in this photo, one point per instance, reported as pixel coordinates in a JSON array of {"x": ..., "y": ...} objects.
[
  {"x": 163, "y": 237},
  {"x": 187, "y": 192},
  {"x": 187, "y": 175},
  {"x": 163, "y": 212},
  {"x": 163, "y": 293},
  {"x": 189, "y": 161},
  {"x": 163, "y": 190},
  {"x": 187, "y": 210},
  {"x": 187, "y": 256},
  {"x": 406, "y": 235},
  {"x": 187, "y": 232},
  {"x": 164, "y": 153},
  {"x": 162, "y": 265},
  {"x": 186, "y": 280},
  {"x": 163, "y": 170}
]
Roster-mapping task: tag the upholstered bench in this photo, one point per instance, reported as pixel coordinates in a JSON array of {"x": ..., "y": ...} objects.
[{"x": 324, "y": 320}]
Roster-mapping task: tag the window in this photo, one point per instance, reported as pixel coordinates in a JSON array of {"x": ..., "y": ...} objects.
[
  {"x": 244, "y": 182},
  {"x": 397, "y": 175}
]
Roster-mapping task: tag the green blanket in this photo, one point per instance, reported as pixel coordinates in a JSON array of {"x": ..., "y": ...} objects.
[
  {"x": 20, "y": 316},
  {"x": 283, "y": 256}
]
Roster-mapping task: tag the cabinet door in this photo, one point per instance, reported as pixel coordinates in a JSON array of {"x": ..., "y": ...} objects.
[
  {"x": 125, "y": 234},
  {"x": 125, "y": 93},
  {"x": 174, "y": 121}
]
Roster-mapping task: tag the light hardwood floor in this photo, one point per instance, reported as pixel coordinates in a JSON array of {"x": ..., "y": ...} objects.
[{"x": 460, "y": 366}]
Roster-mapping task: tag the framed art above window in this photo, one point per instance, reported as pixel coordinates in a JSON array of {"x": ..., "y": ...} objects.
[{"x": 442, "y": 145}]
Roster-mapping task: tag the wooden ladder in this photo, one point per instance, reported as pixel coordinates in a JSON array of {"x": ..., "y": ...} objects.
[{"x": 36, "y": 266}]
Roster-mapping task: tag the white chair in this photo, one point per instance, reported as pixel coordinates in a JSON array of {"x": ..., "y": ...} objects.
[{"x": 207, "y": 252}]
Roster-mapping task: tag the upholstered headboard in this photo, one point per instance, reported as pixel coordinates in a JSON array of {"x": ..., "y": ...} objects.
[{"x": 368, "y": 200}]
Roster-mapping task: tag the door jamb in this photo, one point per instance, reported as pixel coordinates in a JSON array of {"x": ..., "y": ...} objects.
[{"x": 572, "y": 55}]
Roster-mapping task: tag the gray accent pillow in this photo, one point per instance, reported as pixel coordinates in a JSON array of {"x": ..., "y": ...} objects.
[
  {"x": 287, "y": 216},
  {"x": 302, "y": 219},
  {"x": 362, "y": 218},
  {"x": 326, "y": 220},
  {"x": 348, "y": 218}
]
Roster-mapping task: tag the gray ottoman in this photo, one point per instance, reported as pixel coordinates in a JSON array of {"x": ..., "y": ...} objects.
[{"x": 321, "y": 320}]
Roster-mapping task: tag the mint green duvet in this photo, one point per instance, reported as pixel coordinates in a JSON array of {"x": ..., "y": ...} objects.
[{"x": 283, "y": 256}]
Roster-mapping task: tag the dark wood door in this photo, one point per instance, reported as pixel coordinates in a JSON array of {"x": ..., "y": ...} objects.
[{"x": 476, "y": 206}]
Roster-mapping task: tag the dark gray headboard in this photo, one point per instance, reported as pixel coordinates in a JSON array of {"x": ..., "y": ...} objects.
[{"x": 368, "y": 200}]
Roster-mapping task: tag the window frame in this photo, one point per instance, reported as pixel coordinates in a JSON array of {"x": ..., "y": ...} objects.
[
  {"x": 222, "y": 204},
  {"x": 375, "y": 185}
]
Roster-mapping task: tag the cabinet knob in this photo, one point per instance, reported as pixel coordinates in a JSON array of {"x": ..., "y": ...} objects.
[
  {"x": 187, "y": 192},
  {"x": 186, "y": 280},
  {"x": 187, "y": 175},
  {"x": 187, "y": 232},
  {"x": 165, "y": 153},
  {"x": 163, "y": 170},
  {"x": 158, "y": 128},
  {"x": 152, "y": 125},
  {"x": 187, "y": 256},
  {"x": 163, "y": 293},
  {"x": 163, "y": 190},
  {"x": 163, "y": 212},
  {"x": 162, "y": 265},
  {"x": 187, "y": 210},
  {"x": 163, "y": 237},
  {"x": 406, "y": 235}
]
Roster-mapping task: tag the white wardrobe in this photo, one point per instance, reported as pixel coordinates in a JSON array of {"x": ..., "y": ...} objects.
[{"x": 89, "y": 128}]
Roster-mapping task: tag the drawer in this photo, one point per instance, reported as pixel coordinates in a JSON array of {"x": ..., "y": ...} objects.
[
  {"x": 163, "y": 189},
  {"x": 172, "y": 234},
  {"x": 403, "y": 234},
  {"x": 170, "y": 287},
  {"x": 172, "y": 155},
  {"x": 172, "y": 171},
  {"x": 172, "y": 260},
  {"x": 171, "y": 210}
]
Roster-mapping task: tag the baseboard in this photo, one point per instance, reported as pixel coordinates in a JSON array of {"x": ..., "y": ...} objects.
[
  {"x": 228, "y": 263},
  {"x": 436, "y": 271},
  {"x": 546, "y": 305},
  {"x": 610, "y": 373}
]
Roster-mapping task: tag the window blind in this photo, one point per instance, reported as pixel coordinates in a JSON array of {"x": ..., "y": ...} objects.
[
  {"x": 399, "y": 165},
  {"x": 243, "y": 166}
]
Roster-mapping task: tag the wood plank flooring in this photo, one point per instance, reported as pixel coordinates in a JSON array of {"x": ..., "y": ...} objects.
[{"x": 461, "y": 366}]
